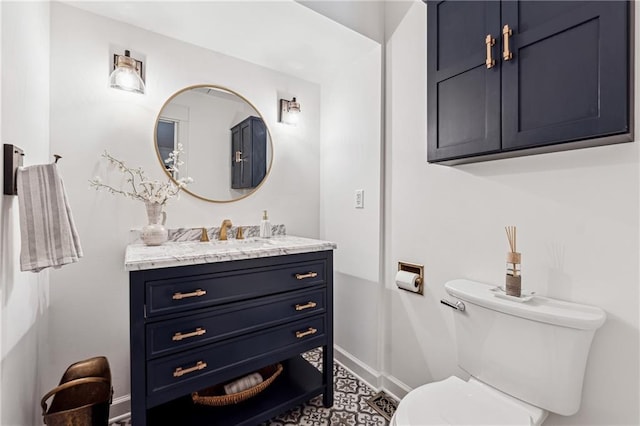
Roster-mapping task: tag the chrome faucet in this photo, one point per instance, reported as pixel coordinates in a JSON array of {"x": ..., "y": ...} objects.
[{"x": 223, "y": 229}]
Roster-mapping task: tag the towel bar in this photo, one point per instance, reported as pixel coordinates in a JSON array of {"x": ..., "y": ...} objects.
[{"x": 13, "y": 158}]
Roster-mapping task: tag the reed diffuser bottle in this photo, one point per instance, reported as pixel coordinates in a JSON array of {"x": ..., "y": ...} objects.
[{"x": 513, "y": 283}]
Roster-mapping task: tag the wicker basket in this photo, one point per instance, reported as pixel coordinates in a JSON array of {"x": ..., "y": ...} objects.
[{"x": 216, "y": 397}]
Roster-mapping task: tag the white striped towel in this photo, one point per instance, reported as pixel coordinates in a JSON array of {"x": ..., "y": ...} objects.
[{"x": 48, "y": 235}]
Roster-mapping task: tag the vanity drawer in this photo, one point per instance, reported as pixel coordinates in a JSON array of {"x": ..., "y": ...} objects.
[
  {"x": 168, "y": 336},
  {"x": 204, "y": 366},
  {"x": 199, "y": 291}
]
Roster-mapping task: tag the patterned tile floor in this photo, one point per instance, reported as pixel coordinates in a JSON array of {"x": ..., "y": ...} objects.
[
  {"x": 354, "y": 403},
  {"x": 350, "y": 403}
]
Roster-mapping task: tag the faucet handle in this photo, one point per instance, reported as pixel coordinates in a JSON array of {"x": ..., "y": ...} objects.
[
  {"x": 204, "y": 237},
  {"x": 239, "y": 234}
]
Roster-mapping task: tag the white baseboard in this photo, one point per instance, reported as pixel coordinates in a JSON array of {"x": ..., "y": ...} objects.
[
  {"x": 395, "y": 387},
  {"x": 379, "y": 381},
  {"x": 358, "y": 368},
  {"x": 120, "y": 408}
]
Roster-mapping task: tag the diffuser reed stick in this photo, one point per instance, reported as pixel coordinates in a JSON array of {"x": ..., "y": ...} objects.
[
  {"x": 513, "y": 278},
  {"x": 511, "y": 237}
]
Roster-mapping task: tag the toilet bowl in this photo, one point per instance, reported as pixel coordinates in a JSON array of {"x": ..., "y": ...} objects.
[
  {"x": 455, "y": 402},
  {"x": 525, "y": 359}
]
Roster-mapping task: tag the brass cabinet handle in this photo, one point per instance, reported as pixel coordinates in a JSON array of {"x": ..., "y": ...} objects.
[
  {"x": 506, "y": 33},
  {"x": 307, "y": 275},
  {"x": 197, "y": 332},
  {"x": 199, "y": 292},
  {"x": 301, "y": 334},
  {"x": 490, "y": 41},
  {"x": 306, "y": 306},
  {"x": 200, "y": 365}
]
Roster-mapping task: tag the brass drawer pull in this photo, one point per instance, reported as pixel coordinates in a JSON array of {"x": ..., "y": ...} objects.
[
  {"x": 489, "y": 41},
  {"x": 307, "y": 275},
  {"x": 199, "y": 292},
  {"x": 506, "y": 33},
  {"x": 301, "y": 334},
  {"x": 200, "y": 365},
  {"x": 179, "y": 336},
  {"x": 306, "y": 306}
]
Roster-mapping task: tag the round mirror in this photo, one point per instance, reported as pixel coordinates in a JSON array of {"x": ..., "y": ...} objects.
[{"x": 227, "y": 148}]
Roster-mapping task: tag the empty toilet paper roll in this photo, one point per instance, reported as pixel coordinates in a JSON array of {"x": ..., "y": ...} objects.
[{"x": 408, "y": 281}]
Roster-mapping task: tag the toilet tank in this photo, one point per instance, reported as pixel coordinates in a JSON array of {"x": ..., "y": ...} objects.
[{"x": 535, "y": 351}]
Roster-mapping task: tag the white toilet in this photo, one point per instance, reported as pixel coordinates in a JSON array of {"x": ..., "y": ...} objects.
[{"x": 525, "y": 358}]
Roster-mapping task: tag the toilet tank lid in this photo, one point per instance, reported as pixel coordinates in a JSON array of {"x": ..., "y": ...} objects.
[{"x": 539, "y": 308}]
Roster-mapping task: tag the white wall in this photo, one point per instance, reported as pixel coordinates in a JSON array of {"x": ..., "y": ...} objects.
[
  {"x": 365, "y": 17},
  {"x": 577, "y": 215},
  {"x": 24, "y": 123},
  {"x": 3, "y": 250},
  {"x": 89, "y": 300},
  {"x": 350, "y": 160}
]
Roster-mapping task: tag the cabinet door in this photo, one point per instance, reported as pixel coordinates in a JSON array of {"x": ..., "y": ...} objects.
[
  {"x": 236, "y": 153},
  {"x": 242, "y": 152},
  {"x": 463, "y": 95},
  {"x": 258, "y": 152},
  {"x": 246, "y": 146},
  {"x": 568, "y": 78}
]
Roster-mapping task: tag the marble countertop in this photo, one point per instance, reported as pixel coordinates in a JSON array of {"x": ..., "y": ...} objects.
[{"x": 139, "y": 256}]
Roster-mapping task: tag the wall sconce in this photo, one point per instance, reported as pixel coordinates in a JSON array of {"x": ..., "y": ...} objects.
[
  {"x": 289, "y": 111},
  {"x": 127, "y": 73}
]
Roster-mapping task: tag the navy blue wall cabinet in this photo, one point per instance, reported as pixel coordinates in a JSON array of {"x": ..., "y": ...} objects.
[
  {"x": 248, "y": 153},
  {"x": 513, "y": 78},
  {"x": 235, "y": 318}
]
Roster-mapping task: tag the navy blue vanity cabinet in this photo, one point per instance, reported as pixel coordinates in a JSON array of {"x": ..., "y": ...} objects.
[
  {"x": 248, "y": 153},
  {"x": 514, "y": 78},
  {"x": 199, "y": 325}
]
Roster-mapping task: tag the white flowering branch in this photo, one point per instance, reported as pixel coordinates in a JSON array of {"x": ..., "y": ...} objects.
[{"x": 141, "y": 188}]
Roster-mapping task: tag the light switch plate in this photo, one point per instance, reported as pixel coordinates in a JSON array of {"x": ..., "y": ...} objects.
[{"x": 359, "y": 199}]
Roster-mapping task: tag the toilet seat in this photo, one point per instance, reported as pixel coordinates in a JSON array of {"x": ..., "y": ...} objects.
[{"x": 455, "y": 402}]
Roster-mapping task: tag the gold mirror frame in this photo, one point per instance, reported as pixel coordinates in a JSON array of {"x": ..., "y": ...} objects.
[{"x": 186, "y": 188}]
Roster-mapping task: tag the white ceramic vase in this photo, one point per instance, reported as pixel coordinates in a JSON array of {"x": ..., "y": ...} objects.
[{"x": 154, "y": 234}]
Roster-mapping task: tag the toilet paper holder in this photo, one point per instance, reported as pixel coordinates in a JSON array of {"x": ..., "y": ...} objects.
[{"x": 414, "y": 268}]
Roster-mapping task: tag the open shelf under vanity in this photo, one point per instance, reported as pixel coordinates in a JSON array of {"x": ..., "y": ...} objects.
[{"x": 299, "y": 382}]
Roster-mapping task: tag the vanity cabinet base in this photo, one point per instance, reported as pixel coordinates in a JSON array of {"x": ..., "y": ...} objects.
[{"x": 199, "y": 325}]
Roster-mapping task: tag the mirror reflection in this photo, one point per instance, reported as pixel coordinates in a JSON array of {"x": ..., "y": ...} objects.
[{"x": 227, "y": 146}]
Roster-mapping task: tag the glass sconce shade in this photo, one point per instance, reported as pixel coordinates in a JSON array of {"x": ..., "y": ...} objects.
[
  {"x": 289, "y": 111},
  {"x": 127, "y": 74}
]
